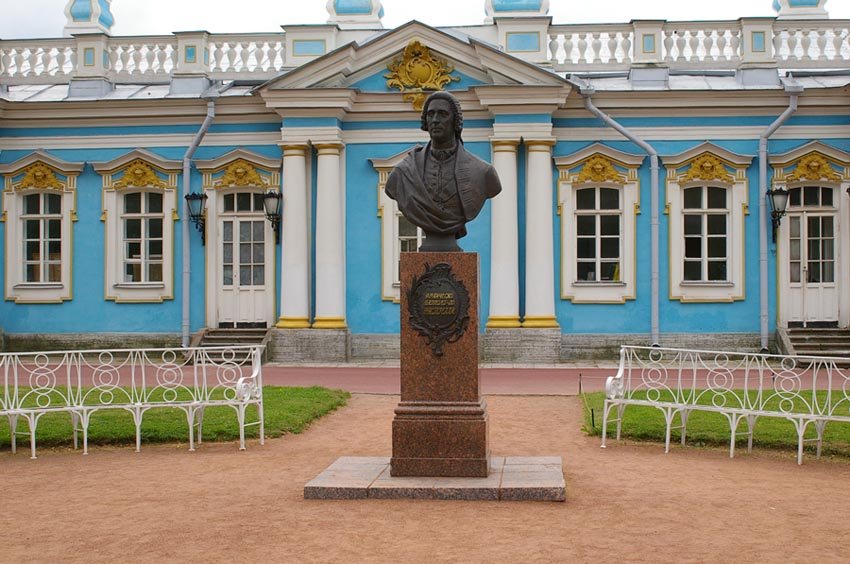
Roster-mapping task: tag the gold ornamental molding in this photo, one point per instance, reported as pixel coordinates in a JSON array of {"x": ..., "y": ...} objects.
[
  {"x": 707, "y": 167},
  {"x": 139, "y": 174},
  {"x": 417, "y": 72},
  {"x": 600, "y": 169},
  {"x": 813, "y": 167},
  {"x": 241, "y": 173},
  {"x": 40, "y": 176}
]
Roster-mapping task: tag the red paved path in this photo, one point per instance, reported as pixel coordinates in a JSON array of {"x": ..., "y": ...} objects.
[{"x": 494, "y": 381}]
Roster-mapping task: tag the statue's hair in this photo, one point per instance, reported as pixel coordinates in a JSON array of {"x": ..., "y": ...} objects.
[{"x": 458, "y": 112}]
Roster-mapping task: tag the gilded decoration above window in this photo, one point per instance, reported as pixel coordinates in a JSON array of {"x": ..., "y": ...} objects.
[
  {"x": 813, "y": 167},
  {"x": 241, "y": 173},
  {"x": 707, "y": 167},
  {"x": 418, "y": 72},
  {"x": 139, "y": 174},
  {"x": 600, "y": 169},
  {"x": 40, "y": 176}
]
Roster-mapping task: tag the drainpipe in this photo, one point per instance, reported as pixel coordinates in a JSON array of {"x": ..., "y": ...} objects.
[
  {"x": 794, "y": 89},
  {"x": 587, "y": 91},
  {"x": 187, "y": 164}
]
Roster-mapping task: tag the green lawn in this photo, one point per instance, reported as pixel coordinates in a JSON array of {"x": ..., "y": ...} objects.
[
  {"x": 287, "y": 410},
  {"x": 642, "y": 423}
]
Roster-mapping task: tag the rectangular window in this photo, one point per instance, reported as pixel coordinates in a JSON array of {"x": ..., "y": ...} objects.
[
  {"x": 409, "y": 240},
  {"x": 42, "y": 238},
  {"x": 705, "y": 230},
  {"x": 598, "y": 235},
  {"x": 142, "y": 222}
]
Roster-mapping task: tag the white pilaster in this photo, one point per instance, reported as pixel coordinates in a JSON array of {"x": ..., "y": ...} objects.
[
  {"x": 295, "y": 263},
  {"x": 504, "y": 238},
  {"x": 539, "y": 246},
  {"x": 330, "y": 240}
]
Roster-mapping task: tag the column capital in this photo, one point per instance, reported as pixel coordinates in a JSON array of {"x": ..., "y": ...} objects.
[
  {"x": 540, "y": 144},
  {"x": 294, "y": 149},
  {"x": 507, "y": 145},
  {"x": 332, "y": 148}
]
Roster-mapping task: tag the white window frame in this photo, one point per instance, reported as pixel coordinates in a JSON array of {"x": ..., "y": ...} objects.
[
  {"x": 704, "y": 211},
  {"x": 38, "y": 173},
  {"x": 137, "y": 172},
  {"x": 599, "y": 166},
  {"x": 388, "y": 213},
  {"x": 708, "y": 165}
]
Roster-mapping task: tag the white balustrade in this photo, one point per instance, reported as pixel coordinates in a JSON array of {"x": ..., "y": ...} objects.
[
  {"x": 142, "y": 59},
  {"x": 250, "y": 56}
]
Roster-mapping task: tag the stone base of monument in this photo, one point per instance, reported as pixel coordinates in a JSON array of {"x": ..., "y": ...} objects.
[{"x": 510, "y": 478}]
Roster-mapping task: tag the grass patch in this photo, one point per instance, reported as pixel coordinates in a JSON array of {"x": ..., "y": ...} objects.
[
  {"x": 287, "y": 410},
  {"x": 641, "y": 423}
]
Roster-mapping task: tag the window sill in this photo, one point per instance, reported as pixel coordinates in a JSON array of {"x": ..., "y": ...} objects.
[
  {"x": 39, "y": 286},
  {"x": 604, "y": 283},
  {"x": 700, "y": 284},
  {"x": 139, "y": 286}
]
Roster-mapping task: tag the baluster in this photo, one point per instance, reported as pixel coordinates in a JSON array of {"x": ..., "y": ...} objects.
[
  {"x": 124, "y": 58},
  {"x": 680, "y": 46},
  {"x": 792, "y": 45},
  {"x": 820, "y": 44},
  {"x": 735, "y": 45},
  {"x": 807, "y": 43},
  {"x": 553, "y": 49},
  {"x": 161, "y": 57},
  {"x": 845, "y": 45},
  {"x": 60, "y": 60},
  {"x": 721, "y": 47},
  {"x": 628, "y": 56},
  {"x": 779, "y": 46},
  {"x": 19, "y": 61},
  {"x": 246, "y": 55},
  {"x": 217, "y": 58},
  {"x": 612, "y": 48},
  {"x": 668, "y": 46},
  {"x": 112, "y": 57},
  {"x": 5, "y": 59},
  {"x": 136, "y": 57},
  {"x": 694, "y": 45},
  {"x": 568, "y": 48},
  {"x": 73, "y": 67},
  {"x": 596, "y": 48},
  {"x": 582, "y": 48}
]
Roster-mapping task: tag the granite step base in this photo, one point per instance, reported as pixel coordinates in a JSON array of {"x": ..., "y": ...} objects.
[{"x": 511, "y": 478}]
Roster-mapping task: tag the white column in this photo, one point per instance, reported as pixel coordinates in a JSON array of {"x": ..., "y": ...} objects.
[
  {"x": 539, "y": 246},
  {"x": 504, "y": 240},
  {"x": 295, "y": 250},
  {"x": 330, "y": 240}
]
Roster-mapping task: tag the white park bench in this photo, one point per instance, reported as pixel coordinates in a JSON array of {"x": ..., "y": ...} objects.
[
  {"x": 83, "y": 383},
  {"x": 805, "y": 390}
]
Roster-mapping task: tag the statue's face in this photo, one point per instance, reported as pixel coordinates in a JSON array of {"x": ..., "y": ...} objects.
[{"x": 440, "y": 121}]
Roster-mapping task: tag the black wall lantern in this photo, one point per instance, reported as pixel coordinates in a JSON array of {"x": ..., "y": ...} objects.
[
  {"x": 778, "y": 205},
  {"x": 272, "y": 200},
  {"x": 196, "y": 203}
]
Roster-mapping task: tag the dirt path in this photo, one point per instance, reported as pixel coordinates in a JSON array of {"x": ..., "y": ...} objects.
[{"x": 627, "y": 503}]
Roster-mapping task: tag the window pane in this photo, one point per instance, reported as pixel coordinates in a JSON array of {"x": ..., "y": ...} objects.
[
  {"x": 794, "y": 197},
  {"x": 586, "y": 199},
  {"x": 693, "y": 247},
  {"x": 259, "y": 253},
  {"x": 717, "y": 270},
  {"x": 610, "y": 271},
  {"x": 134, "y": 250},
  {"x": 826, "y": 196},
  {"x": 585, "y": 271},
  {"x": 227, "y": 275},
  {"x": 31, "y": 229},
  {"x": 693, "y": 197},
  {"x": 54, "y": 272},
  {"x": 133, "y": 228},
  {"x": 814, "y": 272},
  {"x": 258, "y": 231},
  {"x": 610, "y": 247},
  {"x": 814, "y": 250},
  {"x": 155, "y": 228},
  {"x": 693, "y": 225},
  {"x": 228, "y": 202},
  {"x": 405, "y": 228},
  {"x": 244, "y": 231},
  {"x": 228, "y": 231},
  {"x": 54, "y": 250},
  {"x": 32, "y": 204},
  {"x": 609, "y": 199},
  {"x": 155, "y": 249},
  {"x": 829, "y": 271},
  {"x": 408, "y": 245},
  {"x": 717, "y": 247},
  {"x": 586, "y": 248},
  {"x": 245, "y": 275},
  {"x": 54, "y": 203},
  {"x": 33, "y": 271},
  {"x": 828, "y": 249},
  {"x": 795, "y": 226},
  {"x": 586, "y": 225},
  {"x": 716, "y": 197},
  {"x": 228, "y": 253},
  {"x": 54, "y": 228},
  {"x": 155, "y": 272},
  {"x": 259, "y": 275},
  {"x": 811, "y": 195},
  {"x": 795, "y": 249},
  {"x": 693, "y": 270},
  {"x": 33, "y": 250},
  {"x": 245, "y": 254},
  {"x": 795, "y": 272},
  {"x": 609, "y": 224},
  {"x": 717, "y": 224},
  {"x": 258, "y": 203},
  {"x": 814, "y": 226},
  {"x": 133, "y": 202},
  {"x": 154, "y": 202},
  {"x": 243, "y": 202},
  {"x": 826, "y": 227}
]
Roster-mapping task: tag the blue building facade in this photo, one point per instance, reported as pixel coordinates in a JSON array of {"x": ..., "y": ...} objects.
[{"x": 637, "y": 161}]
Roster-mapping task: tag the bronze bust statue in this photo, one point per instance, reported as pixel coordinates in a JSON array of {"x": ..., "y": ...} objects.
[{"x": 441, "y": 187}]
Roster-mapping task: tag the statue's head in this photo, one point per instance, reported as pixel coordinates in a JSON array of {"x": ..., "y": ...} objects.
[{"x": 453, "y": 103}]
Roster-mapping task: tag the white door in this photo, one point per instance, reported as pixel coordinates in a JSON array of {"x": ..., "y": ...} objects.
[
  {"x": 810, "y": 272},
  {"x": 246, "y": 282}
]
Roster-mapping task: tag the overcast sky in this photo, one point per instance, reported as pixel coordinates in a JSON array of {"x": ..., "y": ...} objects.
[{"x": 46, "y": 18}]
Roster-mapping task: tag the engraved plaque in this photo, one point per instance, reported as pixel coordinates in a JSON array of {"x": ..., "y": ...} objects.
[{"x": 439, "y": 306}]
